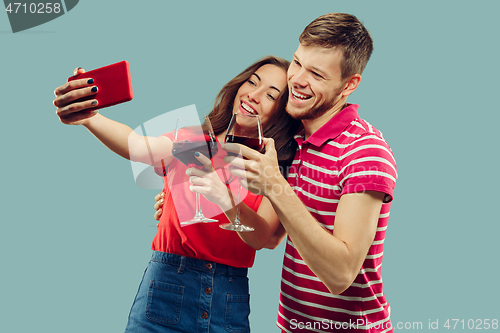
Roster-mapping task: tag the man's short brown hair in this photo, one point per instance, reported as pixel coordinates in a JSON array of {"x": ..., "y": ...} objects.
[{"x": 344, "y": 32}]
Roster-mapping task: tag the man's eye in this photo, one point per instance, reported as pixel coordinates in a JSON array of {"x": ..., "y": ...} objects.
[
  {"x": 296, "y": 62},
  {"x": 317, "y": 75}
]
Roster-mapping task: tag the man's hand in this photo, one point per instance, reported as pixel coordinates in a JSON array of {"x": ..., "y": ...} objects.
[
  {"x": 259, "y": 173},
  {"x": 158, "y": 207},
  {"x": 159, "y": 198}
]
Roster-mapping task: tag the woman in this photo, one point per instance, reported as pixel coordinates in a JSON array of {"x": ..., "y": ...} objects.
[{"x": 200, "y": 269}]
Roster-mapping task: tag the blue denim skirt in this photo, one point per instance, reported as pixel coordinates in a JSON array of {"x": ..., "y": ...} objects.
[{"x": 181, "y": 294}]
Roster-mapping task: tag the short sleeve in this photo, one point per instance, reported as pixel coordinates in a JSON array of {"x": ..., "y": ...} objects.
[{"x": 369, "y": 165}]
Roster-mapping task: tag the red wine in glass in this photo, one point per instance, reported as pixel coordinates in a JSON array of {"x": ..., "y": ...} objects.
[
  {"x": 184, "y": 151},
  {"x": 254, "y": 143},
  {"x": 244, "y": 129}
]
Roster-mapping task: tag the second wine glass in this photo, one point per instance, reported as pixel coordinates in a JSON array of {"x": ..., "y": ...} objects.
[
  {"x": 245, "y": 129},
  {"x": 187, "y": 141}
]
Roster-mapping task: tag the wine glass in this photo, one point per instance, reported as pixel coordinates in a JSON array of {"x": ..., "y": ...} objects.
[
  {"x": 245, "y": 129},
  {"x": 187, "y": 141}
]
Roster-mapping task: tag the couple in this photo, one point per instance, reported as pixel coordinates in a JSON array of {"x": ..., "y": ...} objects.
[{"x": 340, "y": 172}]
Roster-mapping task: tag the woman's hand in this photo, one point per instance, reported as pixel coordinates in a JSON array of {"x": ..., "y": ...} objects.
[
  {"x": 68, "y": 111},
  {"x": 208, "y": 183}
]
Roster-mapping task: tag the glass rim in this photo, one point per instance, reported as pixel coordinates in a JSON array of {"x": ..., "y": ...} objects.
[{"x": 246, "y": 115}]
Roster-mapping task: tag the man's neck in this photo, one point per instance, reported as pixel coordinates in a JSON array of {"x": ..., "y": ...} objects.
[{"x": 312, "y": 125}]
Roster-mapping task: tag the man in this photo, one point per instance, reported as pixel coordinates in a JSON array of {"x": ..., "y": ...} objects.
[{"x": 335, "y": 204}]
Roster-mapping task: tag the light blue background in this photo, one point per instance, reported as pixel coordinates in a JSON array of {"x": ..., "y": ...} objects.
[{"x": 76, "y": 231}]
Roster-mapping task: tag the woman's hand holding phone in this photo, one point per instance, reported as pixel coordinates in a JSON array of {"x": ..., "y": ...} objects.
[
  {"x": 68, "y": 110},
  {"x": 78, "y": 100}
]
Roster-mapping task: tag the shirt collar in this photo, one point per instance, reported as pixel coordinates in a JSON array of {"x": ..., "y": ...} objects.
[{"x": 333, "y": 128}]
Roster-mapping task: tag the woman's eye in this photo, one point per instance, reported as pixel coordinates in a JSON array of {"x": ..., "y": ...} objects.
[
  {"x": 296, "y": 62},
  {"x": 251, "y": 82},
  {"x": 271, "y": 97}
]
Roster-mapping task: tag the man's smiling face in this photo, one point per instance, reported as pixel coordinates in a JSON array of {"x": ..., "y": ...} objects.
[{"x": 314, "y": 81}]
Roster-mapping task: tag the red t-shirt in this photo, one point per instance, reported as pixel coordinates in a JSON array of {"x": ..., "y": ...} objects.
[{"x": 206, "y": 241}]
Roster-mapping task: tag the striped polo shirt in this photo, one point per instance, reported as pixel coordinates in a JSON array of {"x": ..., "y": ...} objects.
[{"x": 346, "y": 155}]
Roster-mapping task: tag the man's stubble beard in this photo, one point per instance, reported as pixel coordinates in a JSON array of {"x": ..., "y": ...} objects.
[
  {"x": 315, "y": 111},
  {"x": 312, "y": 113}
]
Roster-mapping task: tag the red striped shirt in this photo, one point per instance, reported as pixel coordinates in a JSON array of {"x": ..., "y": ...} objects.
[{"x": 346, "y": 155}]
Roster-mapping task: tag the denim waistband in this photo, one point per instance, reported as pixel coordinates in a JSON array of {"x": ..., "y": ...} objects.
[{"x": 198, "y": 264}]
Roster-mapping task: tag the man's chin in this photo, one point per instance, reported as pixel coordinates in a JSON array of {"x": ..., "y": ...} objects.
[
  {"x": 297, "y": 114},
  {"x": 305, "y": 114}
]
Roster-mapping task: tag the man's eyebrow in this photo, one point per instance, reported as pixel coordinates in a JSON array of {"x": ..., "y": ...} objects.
[
  {"x": 313, "y": 69},
  {"x": 272, "y": 87},
  {"x": 318, "y": 70}
]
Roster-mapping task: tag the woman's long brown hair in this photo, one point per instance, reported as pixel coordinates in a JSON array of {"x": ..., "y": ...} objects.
[{"x": 280, "y": 126}]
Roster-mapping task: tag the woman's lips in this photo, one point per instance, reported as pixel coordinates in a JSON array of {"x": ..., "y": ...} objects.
[{"x": 247, "y": 108}]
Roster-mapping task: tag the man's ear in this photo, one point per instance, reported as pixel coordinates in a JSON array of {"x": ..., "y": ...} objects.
[{"x": 351, "y": 84}]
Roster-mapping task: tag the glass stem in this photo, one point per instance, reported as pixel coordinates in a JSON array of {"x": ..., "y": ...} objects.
[
  {"x": 198, "y": 204},
  {"x": 237, "y": 218}
]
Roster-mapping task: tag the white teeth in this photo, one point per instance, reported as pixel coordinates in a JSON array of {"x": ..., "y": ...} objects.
[
  {"x": 247, "y": 108},
  {"x": 298, "y": 95}
]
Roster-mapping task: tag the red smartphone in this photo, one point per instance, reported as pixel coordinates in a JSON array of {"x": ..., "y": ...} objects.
[{"x": 113, "y": 83}]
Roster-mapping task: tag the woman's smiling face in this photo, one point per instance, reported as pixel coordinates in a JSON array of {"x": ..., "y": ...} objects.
[{"x": 259, "y": 93}]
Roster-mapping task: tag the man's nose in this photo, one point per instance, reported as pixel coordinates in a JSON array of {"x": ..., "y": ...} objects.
[{"x": 299, "y": 78}]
